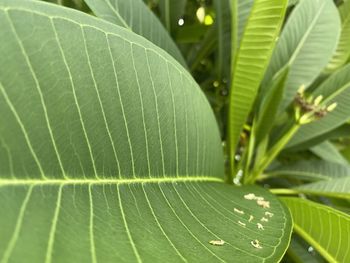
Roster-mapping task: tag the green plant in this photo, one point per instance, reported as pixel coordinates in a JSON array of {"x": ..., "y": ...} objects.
[{"x": 110, "y": 151}]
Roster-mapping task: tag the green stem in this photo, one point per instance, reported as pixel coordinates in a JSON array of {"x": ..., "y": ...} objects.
[
  {"x": 273, "y": 152},
  {"x": 231, "y": 141}
]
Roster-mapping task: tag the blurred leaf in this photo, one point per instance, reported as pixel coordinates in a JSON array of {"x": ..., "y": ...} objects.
[
  {"x": 137, "y": 17},
  {"x": 269, "y": 106},
  {"x": 253, "y": 56},
  {"x": 325, "y": 228},
  {"x": 328, "y": 152},
  {"x": 338, "y": 187},
  {"x": 342, "y": 52},
  {"x": 191, "y": 33},
  {"x": 299, "y": 252},
  {"x": 340, "y": 132},
  {"x": 307, "y": 42},
  {"x": 334, "y": 89},
  {"x": 314, "y": 170}
]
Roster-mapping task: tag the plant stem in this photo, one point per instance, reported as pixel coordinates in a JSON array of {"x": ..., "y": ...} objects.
[{"x": 273, "y": 152}]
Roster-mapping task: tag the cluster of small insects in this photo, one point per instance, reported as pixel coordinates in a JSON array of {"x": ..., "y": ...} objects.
[
  {"x": 262, "y": 203},
  {"x": 308, "y": 109}
]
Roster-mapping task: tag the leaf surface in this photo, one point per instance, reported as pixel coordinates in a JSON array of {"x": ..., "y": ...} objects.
[
  {"x": 110, "y": 152},
  {"x": 326, "y": 229}
]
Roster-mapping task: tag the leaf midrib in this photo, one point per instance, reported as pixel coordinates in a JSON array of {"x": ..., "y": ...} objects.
[{"x": 178, "y": 179}]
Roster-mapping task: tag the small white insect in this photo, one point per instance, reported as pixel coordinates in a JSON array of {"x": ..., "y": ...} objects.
[
  {"x": 260, "y": 226},
  {"x": 268, "y": 214},
  {"x": 238, "y": 211},
  {"x": 264, "y": 219},
  {"x": 255, "y": 243},
  {"x": 241, "y": 223},
  {"x": 259, "y": 198},
  {"x": 263, "y": 203},
  {"x": 251, "y": 218},
  {"x": 250, "y": 196},
  {"x": 217, "y": 242}
]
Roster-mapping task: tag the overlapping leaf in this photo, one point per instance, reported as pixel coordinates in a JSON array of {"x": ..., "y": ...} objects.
[
  {"x": 110, "y": 153},
  {"x": 326, "y": 229},
  {"x": 306, "y": 44},
  {"x": 135, "y": 15}
]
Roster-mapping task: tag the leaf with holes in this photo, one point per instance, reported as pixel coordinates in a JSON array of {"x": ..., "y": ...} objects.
[{"x": 110, "y": 152}]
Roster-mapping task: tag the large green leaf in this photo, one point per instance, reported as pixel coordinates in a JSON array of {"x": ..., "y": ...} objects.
[
  {"x": 306, "y": 44},
  {"x": 254, "y": 53},
  {"x": 326, "y": 229},
  {"x": 342, "y": 52},
  {"x": 135, "y": 15},
  {"x": 110, "y": 152},
  {"x": 335, "y": 89}
]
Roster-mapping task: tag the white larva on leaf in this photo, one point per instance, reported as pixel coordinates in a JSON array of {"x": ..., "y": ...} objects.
[
  {"x": 250, "y": 196},
  {"x": 242, "y": 224},
  {"x": 263, "y": 203},
  {"x": 255, "y": 243},
  {"x": 238, "y": 211},
  {"x": 268, "y": 214},
  {"x": 264, "y": 219},
  {"x": 260, "y": 226},
  {"x": 217, "y": 242},
  {"x": 251, "y": 218}
]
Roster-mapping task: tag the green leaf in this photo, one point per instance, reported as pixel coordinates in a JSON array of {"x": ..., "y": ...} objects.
[
  {"x": 328, "y": 152},
  {"x": 311, "y": 170},
  {"x": 342, "y": 52},
  {"x": 342, "y": 131},
  {"x": 252, "y": 58},
  {"x": 325, "y": 228},
  {"x": 335, "y": 89},
  {"x": 339, "y": 187},
  {"x": 110, "y": 152},
  {"x": 269, "y": 106},
  {"x": 306, "y": 44},
  {"x": 299, "y": 251},
  {"x": 135, "y": 16},
  {"x": 244, "y": 8}
]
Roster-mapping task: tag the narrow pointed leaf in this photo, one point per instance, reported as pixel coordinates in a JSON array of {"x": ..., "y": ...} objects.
[
  {"x": 103, "y": 156},
  {"x": 254, "y": 53},
  {"x": 135, "y": 16},
  {"x": 325, "y": 228}
]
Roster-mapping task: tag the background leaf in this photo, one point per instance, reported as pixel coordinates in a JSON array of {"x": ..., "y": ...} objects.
[
  {"x": 171, "y": 12},
  {"x": 136, "y": 16},
  {"x": 342, "y": 52},
  {"x": 328, "y": 152},
  {"x": 110, "y": 152},
  {"x": 323, "y": 227},
  {"x": 306, "y": 44}
]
